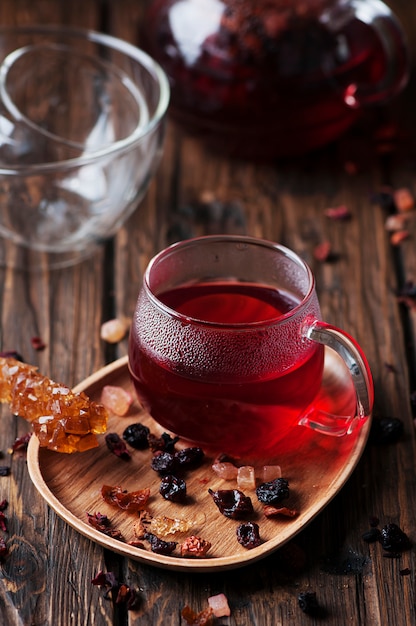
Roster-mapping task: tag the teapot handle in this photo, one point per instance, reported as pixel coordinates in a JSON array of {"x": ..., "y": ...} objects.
[{"x": 391, "y": 36}]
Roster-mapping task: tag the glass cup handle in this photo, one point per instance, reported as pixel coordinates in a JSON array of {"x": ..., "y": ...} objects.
[
  {"x": 359, "y": 370},
  {"x": 392, "y": 38}
]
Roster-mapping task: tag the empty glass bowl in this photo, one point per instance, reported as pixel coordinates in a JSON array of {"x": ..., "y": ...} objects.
[{"x": 81, "y": 134}]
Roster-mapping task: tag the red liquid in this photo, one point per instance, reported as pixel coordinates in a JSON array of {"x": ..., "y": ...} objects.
[
  {"x": 240, "y": 415},
  {"x": 254, "y": 91}
]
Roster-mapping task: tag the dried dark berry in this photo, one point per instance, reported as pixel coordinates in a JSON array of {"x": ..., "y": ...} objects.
[
  {"x": 232, "y": 502},
  {"x": 274, "y": 491},
  {"x": 372, "y": 535},
  {"x": 165, "y": 442},
  {"x": 189, "y": 458},
  {"x": 136, "y": 436},
  {"x": 158, "y": 545},
  {"x": 11, "y": 354},
  {"x": 163, "y": 463},
  {"x": 248, "y": 534},
  {"x": 386, "y": 430},
  {"x": 393, "y": 539},
  {"x": 308, "y": 603},
  {"x": 173, "y": 488},
  {"x": 117, "y": 446},
  {"x": 4, "y": 470}
]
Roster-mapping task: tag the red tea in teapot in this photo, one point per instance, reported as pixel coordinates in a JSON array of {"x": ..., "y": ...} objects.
[{"x": 268, "y": 78}]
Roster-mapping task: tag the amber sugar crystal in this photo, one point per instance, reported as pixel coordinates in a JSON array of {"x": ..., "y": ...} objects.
[{"x": 63, "y": 421}]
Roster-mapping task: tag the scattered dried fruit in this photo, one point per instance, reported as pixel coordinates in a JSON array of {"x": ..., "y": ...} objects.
[
  {"x": 4, "y": 470},
  {"x": 232, "y": 502},
  {"x": 272, "y": 511},
  {"x": 248, "y": 535},
  {"x": 173, "y": 488},
  {"x": 113, "y": 330},
  {"x": 116, "y": 399},
  {"x": 372, "y": 535},
  {"x": 20, "y": 443},
  {"x": 126, "y": 500},
  {"x": 117, "y": 446},
  {"x": 398, "y": 237},
  {"x": 38, "y": 343},
  {"x": 203, "y": 618},
  {"x": 195, "y": 547},
  {"x": 308, "y": 603},
  {"x": 403, "y": 199},
  {"x": 394, "y": 539},
  {"x": 323, "y": 252},
  {"x": 103, "y": 525},
  {"x": 338, "y": 213},
  {"x": 189, "y": 458},
  {"x": 273, "y": 491},
  {"x": 163, "y": 463},
  {"x": 136, "y": 436},
  {"x": 159, "y": 546},
  {"x": 119, "y": 592}
]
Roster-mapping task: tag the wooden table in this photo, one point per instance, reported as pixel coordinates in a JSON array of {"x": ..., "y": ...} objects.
[{"x": 46, "y": 577}]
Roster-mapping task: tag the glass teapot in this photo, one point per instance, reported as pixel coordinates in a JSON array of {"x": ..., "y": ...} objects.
[{"x": 268, "y": 78}]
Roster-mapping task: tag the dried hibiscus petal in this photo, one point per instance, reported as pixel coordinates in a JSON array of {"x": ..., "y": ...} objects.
[
  {"x": 103, "y": 525},
  {"x": 232, "y": 502},
  {"x": 126, "y": 500},
  {"x": 272, "y": 511},
  {"x": 203, "y": 618},
  {"x": 3, "y": 522},
  {"x": 117, "y": 446}
]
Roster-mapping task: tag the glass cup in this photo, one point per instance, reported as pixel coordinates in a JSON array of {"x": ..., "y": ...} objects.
[{"x": 227, "y": 347}]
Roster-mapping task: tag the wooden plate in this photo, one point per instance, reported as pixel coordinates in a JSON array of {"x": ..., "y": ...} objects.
[{"x": 316, "y": 466}]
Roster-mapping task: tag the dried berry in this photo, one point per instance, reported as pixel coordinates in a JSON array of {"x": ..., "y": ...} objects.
[
  {"x": 372, "y": 535},
  {"x": 386, "y": 430},
  {"x": 136, "y": 436},
  {"x": 163, "y": 463},
  {"x": 274, "y": 491},
  {"x": 103, "y": 525},
  {"x": 20, "y": 443},
  {"x": 393, "y": 539},
  {"x": 159, "y": 546},
  {"x": 232, "y": 502},
  {"x": 189, "y": 458},
  {"x": 165, "y": 442},
  {"x": 308, "y": 603},
  {"x": 173, "y": 488},
  {"x": 117, "y": 446},
  {"x": 4, "y": 470},
  {"x": 4, "y": 551},
  {"x": 248, "y": 534}
]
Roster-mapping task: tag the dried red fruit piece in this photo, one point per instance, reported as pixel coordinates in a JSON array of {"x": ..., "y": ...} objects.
[
  {"x": 232, "y": 502},
  {"x": 399, "y": 236},
  {"x": 126, "y": 500},
  {"x": 159, "y": 546},
  {"x": 3, "y": 522},
  {"x": 173, "y": 488},
  {"x": 272, "y": 511},
  {"x": 203, "y": 618},
  {"x": 136, "y": 436},
  {"x": 4, "y": 551},
  {"x": 20, "y": 443},
  {"x": 103, "y": 525},
  {"x": 308, "y": 603},
  {"x": 195, "y": 547},
  {"x": 394, "y": 539},
  {"x": 273, "y": 491},
  {"x": 117, "y": 446},
  {"x": 338, "y": 213},
  {"x": 248, "y": 535},
  {"x": 163, "y": 462},
  {"x": 38, "y": 343},
  {"x": 323, "y": 252}
]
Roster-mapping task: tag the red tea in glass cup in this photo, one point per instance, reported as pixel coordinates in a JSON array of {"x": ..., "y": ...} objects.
[{"x": 227, "y": 346}]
